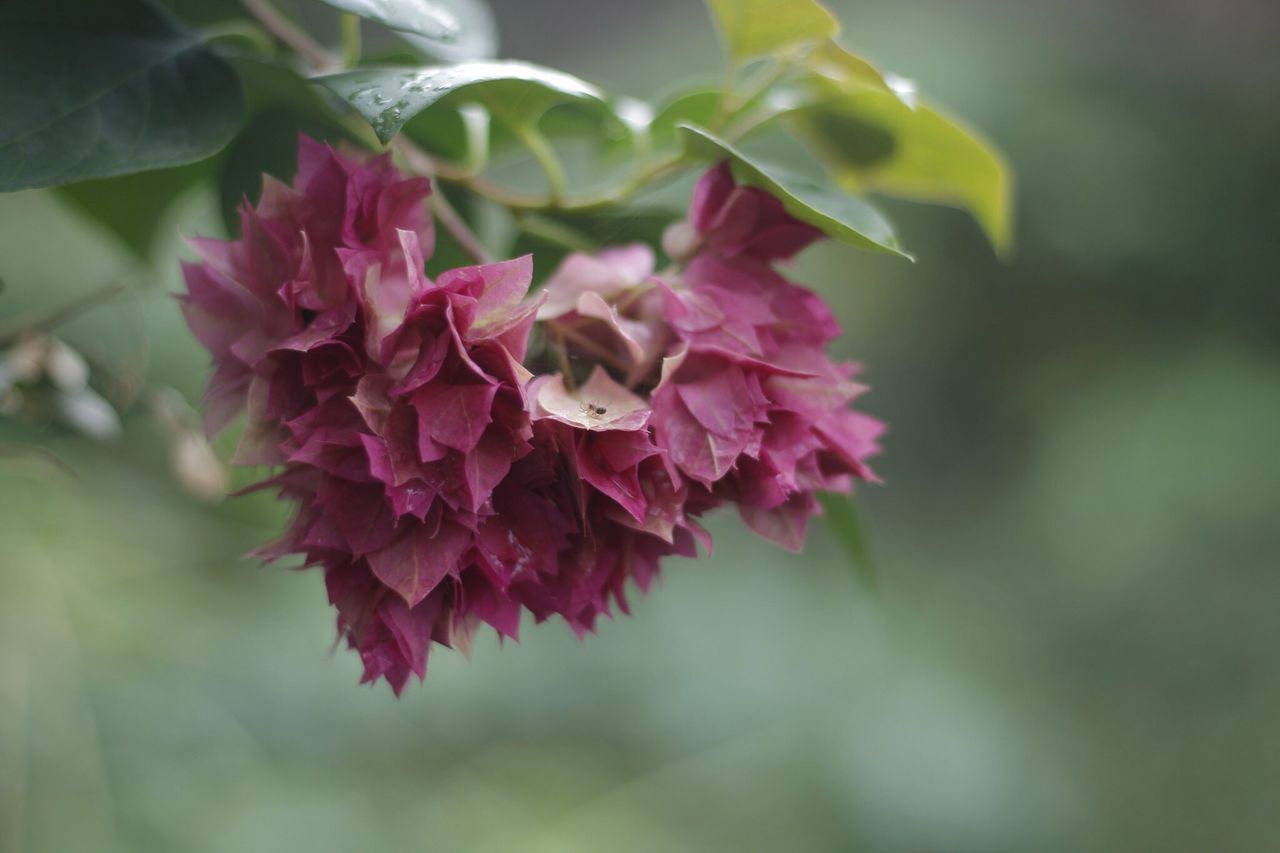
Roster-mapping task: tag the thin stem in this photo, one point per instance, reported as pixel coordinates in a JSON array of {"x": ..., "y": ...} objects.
[
  {"x": 582, "y": 342},
  {"x": 424, "y": 164},
  {"x": 741, "y": 120},
  {"x": 457, "y": 226},
  {"x": 350, "y": 40},
  {"x": 781, "y": 68},
  {"x": 546, "y": 157},
  {"x": 526, "y": 202},
  {"x": 10, "y": 450},
  {"x": 513, "y": 199},
  {"x": 65, "y": 313},
  {"x": 556, "y": 232},
  {"x": 562, "y": 356},
  {"x": 289, "y": 33},
  {"x": 726, "y": 91}
]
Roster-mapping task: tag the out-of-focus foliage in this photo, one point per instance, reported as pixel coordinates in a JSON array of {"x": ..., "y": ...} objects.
[{"x": 752, "y": 28}]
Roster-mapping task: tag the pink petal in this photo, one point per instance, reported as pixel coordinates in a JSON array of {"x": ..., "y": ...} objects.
[{"x": 416, "y": 562}]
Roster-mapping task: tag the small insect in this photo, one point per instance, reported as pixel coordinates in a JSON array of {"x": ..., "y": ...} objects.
[{"x": 593, "y": 410}]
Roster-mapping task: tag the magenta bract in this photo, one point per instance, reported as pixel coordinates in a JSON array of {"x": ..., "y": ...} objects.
[{"x": 438, "y": 483}]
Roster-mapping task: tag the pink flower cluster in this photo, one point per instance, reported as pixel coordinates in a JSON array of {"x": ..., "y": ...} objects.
[{"x": 438, "y": 482}]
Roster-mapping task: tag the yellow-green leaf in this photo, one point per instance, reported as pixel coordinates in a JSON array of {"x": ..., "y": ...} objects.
[
  {"x": 752, "y": 28},
  {"x": 876, "y": 141},
  {"x": 841, "y": 65}
]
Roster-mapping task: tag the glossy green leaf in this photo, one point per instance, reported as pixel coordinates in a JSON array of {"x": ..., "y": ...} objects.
[
  {"x": 697, "y": 107},
  {"x": 876, "y": 141},
  {"x": 752, "y": 28},
  {"x": 95, "y": 88},
  {"x": 516, "y": 92},
  {"x": 477, "y": 36},
  {"x": 843, "y": 519},
  {"x": 428, "y": 18},
  {"x": 839, "y": 215}
]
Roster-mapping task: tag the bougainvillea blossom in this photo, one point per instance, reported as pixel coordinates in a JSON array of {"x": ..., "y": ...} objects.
[{"x": 438, "y": 482}]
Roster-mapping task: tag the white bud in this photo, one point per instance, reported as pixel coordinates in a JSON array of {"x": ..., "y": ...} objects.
[
  {"x": 680, "y": 241},
  {"x": 89, "y": 413},
  {"x": 65, "y": 367},
  {"x": 197, "y": 468}
]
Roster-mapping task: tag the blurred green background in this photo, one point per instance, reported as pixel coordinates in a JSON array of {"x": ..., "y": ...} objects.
[{"x": 1072, "y": 645}]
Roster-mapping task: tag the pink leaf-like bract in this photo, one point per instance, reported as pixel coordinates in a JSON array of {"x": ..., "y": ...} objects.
[{"x": 437, "y": 482}]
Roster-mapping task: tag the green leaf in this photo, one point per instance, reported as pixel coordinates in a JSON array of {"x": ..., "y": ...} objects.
[
  {"x": 460, "y": 135},
  {"x": 96, "y": 88},
  {"x": 600, "y": 228},
  {"x": 132, "y": 207},
  {"x": 838, "y": 63},
  {"x": 517, "y": 92},
  {"x": 876, "y": 141},
  {"x": 281, "y": 105},
  {"x": 752, "y": 28},
  {"x": 843, "y": 519},
  {"x": 428, "y": 18},
  {"x": 477, "y": 36},
  {"x": 697, "y": 107},
  {"x": 841, "y": 216}
]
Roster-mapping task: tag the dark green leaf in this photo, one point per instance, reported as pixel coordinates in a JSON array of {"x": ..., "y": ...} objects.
[
  {"x": 841, "y": 216},
  {"x": 95, "y": 88},
  {"x": 516, "y": 92},
  {"x": 268, "y": 145},
  {"x": 843, "y": 519},
  {"x": 131, "y": 207},
  {"x": 457, "y": 135},
  {"x": 201, "y": 13},
  {"x": 613, "y": 228},
  {"x": 877, "y": 141},
  {"x": 752, "y": 28},
  {"x": 281, "y": 105}
]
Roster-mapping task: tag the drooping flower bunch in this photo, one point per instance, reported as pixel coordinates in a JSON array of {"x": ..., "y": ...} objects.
[{"x": 439, "y": 483}]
